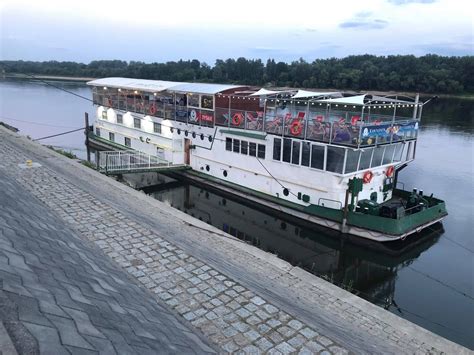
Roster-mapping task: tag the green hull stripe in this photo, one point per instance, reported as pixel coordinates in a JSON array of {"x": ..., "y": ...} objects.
[
  {"x": 384, "y": 225},
  {"x": 93, "y": 136}
]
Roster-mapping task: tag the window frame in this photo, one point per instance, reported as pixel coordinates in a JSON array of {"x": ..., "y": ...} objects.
[
  {"x": 236, "y": 145},
  {"x": 264, "y": 151},
  {"x": 135, "y": 120},
  {"x": 254, "y": 145}
]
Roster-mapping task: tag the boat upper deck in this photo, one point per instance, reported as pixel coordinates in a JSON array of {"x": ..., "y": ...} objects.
[{"x": 331, "y": 117}]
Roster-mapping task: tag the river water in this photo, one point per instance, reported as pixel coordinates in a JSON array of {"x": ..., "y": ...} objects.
[{"x": 427, "y": 279}]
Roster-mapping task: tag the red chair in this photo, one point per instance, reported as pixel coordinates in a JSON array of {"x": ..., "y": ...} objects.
[
  {"x": 301, "y": 115},
  {"x": 354, "y": 120}
]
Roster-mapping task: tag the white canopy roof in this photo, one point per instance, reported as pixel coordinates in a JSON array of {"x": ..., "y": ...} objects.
[
  {"x": 381, "y": 99},
  {"x": 350, "y": 100},
  {"x": 263, "y": 91},
  {"x": 160, "y": 85},
  {"x": 134, "y": 84},
  {"x": 305, "y": 93},
  {"x": 365, "y": 99}
]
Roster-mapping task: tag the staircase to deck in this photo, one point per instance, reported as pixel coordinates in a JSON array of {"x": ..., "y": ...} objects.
[{"x": 132, "y": 161}]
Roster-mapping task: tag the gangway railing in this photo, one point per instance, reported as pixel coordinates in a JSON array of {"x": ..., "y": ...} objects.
[{"x": 111, "y": 162}]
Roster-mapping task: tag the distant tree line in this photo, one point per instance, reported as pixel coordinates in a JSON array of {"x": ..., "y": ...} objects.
[{"x": 429, "y": 73}]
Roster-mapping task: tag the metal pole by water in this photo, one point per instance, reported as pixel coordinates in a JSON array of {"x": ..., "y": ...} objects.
[{"x": 86, "y": 132}]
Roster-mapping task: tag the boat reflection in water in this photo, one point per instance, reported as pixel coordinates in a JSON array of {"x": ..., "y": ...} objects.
[{"x": 369, "y": 270}]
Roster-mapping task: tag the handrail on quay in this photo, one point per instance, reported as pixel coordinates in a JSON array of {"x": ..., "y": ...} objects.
[{"x": 129, "y": 160}]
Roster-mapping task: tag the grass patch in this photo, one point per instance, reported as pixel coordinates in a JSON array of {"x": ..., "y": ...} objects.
[
  {"x": 88, "y": 164},
  {"x": 69, "y": 154}
]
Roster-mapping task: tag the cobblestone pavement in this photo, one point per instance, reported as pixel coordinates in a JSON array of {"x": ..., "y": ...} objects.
[
  {"x": 59, "y": 295},
  {"x": 230, "y": 314}
]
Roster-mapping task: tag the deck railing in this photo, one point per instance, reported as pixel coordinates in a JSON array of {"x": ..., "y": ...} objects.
[
  {"x": 328, "y": 126},
  {"x": 123, "y": 161}
]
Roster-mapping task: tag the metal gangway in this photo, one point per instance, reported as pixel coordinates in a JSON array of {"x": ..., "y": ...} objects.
[{"x": 132, "y": 161}]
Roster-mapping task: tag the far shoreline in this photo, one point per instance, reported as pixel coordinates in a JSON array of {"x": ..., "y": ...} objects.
[{"x": 86, "y": 79}]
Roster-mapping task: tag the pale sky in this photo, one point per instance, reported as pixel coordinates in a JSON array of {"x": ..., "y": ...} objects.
[{"x": 208, "y": 30}]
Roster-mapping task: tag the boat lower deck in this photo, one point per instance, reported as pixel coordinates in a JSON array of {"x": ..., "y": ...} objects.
[{"x": 376, "y": 228}]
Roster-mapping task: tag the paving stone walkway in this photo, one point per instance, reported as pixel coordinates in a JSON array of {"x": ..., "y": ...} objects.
[
  {"x": 231, "y": 315},
  {"x": 59, "y": 295}
]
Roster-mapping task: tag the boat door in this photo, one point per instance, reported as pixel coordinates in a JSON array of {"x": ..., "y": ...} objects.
[{"x": 187, "y": 151}]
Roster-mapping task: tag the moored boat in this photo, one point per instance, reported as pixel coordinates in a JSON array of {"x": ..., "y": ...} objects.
[{"x": 330, "y": 158}]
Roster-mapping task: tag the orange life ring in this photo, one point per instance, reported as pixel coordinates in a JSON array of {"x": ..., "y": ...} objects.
[
  {"x": 368, "y": 177},
  {"x": 237, "y": 119},
  {"x": 152, "y": 109},
  {"x": 296, "y": 128},
  {"x": 389, "y": 171}
]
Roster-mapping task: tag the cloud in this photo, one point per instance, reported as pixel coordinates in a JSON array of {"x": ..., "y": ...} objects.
[
  {"x": 362, "y": 24},
  {"x": 363, "y": 14},
  {"x": 405, "y": 2},
  {"x": 446, "y": 48}
]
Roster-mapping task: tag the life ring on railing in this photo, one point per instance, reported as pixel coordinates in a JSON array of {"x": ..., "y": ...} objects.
[
  {"x": 389, "y": 171},
  {"x": 296, "y": 128},
  {"x": 368, "y": 177},
  {"x": 237, "y": 119},
  {"x": 152, "y": 109}
]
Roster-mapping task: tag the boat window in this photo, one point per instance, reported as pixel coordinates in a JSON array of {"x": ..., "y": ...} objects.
[
  {"x": 119, "y": 118},
  {"x": 207, "y": 102},
  {"x": 387, "y": 157},
  {"x": 305, "y": 153},
  {"x": 111, "y": 137},
  {"x": 352, "y": 160},
  {"x": 317, "y": 156},
  {"x": 236, "y": 146},
  {"x": 97, "y": 131},
  {"x": 261, "y": 151},
  {"x": 335, "y": 159},
  {"x": 228, "y": 144},
  {"x": 137, "y": 123},
  {"x": 277, "y": 148},
  {"x": 377, "y": 158},
  {"x": 181, "y": 100},
  {"x": 104, "y": 114},
  {"x": 128, "y": 142},
  {"x": 253, "y": 149},
  {"x": 244, "y": 147},
  {"x": 366, "y": 155},
  {"x": 399, "y": 152},
  {"x": 156, "y": 127},
  {"x": 193, "y": 100},
  {"x": 295, "y": 154},
  {"x": 286, "y": 150}
]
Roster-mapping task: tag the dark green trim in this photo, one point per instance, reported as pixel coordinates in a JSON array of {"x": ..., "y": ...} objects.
[
  {"x": 163, "y": 169},
  {"x": 397, "y": 226},
  {"x": 244, "y": 134},
  {"x": 384, "y": 225},
  {"x": 93, "y": 136}
]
